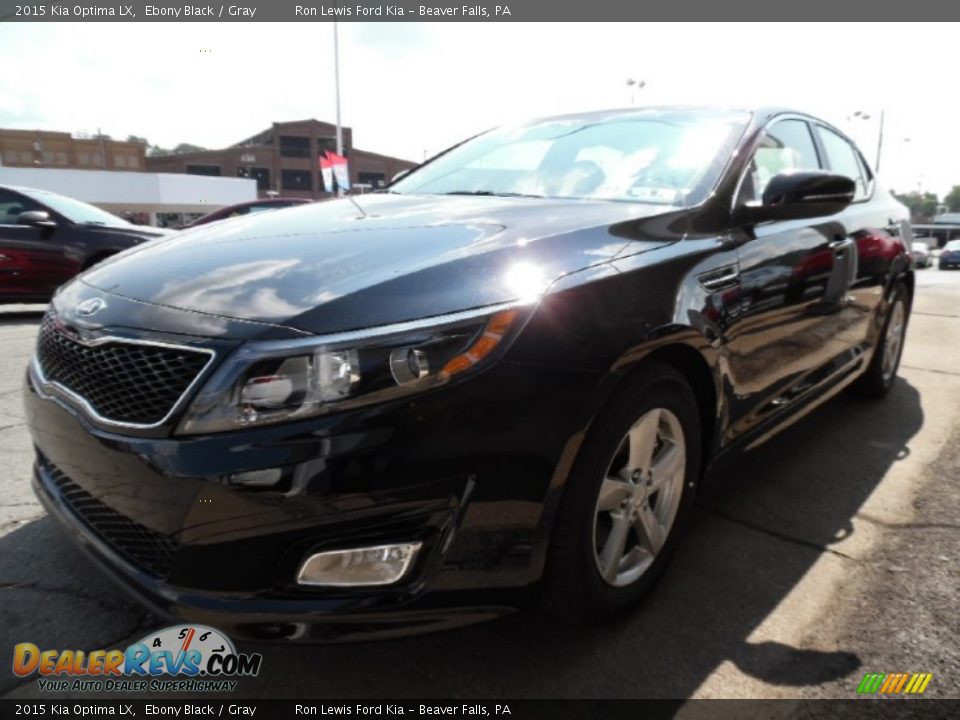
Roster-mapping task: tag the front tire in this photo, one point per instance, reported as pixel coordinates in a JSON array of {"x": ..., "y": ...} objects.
[{"x": 627, "y": 500}]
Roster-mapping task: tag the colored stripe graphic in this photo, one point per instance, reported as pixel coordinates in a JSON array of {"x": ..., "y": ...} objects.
[
  {"x": 871, "y": 682},
  {"x": 894, "y": 683}
]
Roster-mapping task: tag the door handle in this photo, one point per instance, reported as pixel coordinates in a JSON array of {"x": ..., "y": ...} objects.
[{"x": 839, "y": 243}]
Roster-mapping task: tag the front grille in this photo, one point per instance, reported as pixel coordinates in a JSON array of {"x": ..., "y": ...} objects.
[
  {"x": 122, "y": 382},
  {"x": 145, "y": 548}
]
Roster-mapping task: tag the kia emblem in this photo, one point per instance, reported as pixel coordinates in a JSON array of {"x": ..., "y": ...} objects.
[{"x": 90, "y": 306}]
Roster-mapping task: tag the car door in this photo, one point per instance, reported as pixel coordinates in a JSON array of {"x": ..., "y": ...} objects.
[
  {"x": 789, "y": 338},
  {"x": 33, "y": 258}
]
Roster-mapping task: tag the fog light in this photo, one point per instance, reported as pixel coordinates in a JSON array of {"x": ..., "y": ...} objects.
[{"x": 379, "y": 565}]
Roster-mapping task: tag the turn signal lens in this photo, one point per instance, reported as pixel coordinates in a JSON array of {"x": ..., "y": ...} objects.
[{"x": 497, "y": 328}]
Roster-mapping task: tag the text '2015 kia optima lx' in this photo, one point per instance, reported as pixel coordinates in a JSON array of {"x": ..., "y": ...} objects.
[{"x": 503, "y": 378}]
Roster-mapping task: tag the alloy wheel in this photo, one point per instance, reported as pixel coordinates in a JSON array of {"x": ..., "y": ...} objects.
[
  {"x": 639, "y": 497},
  {"x": 893, "y": 340}
]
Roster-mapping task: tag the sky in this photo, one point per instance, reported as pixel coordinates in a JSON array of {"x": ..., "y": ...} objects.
[{"x": 412, "y": 89}]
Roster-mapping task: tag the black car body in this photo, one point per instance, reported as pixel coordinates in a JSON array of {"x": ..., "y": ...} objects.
[
  {"x": 472, "y": 350},
  {"x": 46, "y": 239}
]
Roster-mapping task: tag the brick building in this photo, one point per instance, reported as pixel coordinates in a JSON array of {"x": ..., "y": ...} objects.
[
  {"x": 42, "y": 148},
  {"x": 283, "y": 159}
]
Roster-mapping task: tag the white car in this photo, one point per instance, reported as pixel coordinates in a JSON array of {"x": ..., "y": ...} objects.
[{"x": 921, "y": 254}]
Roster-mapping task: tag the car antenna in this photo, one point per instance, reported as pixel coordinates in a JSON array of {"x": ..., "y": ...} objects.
[{"x": 357, "y": 205}]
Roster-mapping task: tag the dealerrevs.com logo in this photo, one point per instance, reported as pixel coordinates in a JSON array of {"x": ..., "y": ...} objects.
[{"x": 188, "y": 658}]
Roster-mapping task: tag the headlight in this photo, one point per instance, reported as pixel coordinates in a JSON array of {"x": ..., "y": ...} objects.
[{"x": 276, "y": 381}]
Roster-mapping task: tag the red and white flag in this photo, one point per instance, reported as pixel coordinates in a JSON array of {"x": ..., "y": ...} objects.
[
  {"x": 326, "y": 172},
  {"x": 334, "y": 166}
]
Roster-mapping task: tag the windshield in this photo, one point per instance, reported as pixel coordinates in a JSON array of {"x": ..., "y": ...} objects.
[
  {"x": 656, "y": 157},
  {"x": 952, "y": 245},
  {"x": 77, "y": 211}
]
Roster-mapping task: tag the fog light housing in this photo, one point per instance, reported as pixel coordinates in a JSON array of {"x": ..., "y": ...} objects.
[{"x": 359, "y": 567}]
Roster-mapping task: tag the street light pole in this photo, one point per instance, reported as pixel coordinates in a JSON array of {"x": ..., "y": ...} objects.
[
  {"x": 336, "y": 83},
  {"x": 639, "y": 84},
  {"x": 880, "y": 142}
]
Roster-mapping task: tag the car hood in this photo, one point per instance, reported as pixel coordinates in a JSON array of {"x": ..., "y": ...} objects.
[{"x": 360, "y": 262}]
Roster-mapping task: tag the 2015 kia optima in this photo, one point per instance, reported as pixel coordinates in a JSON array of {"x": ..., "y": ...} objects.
[{"x": 502, "y": 378}]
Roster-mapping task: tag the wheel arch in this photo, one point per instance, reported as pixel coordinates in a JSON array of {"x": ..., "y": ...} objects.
[{"x": 681, "y": 348}]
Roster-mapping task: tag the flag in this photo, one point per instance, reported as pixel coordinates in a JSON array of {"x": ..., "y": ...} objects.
[
  {"x": 340, "y": 170},
  {"x": 326, "y": 172}
]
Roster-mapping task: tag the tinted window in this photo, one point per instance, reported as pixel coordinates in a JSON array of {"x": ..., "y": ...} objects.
[
  {"x": 295, "y": 179},
  {"x": 785, "y": 146},
  {"x": 12, "y": 205},
  {"x": 294, "y": 146},
  {"x": 842, "y": 159},
  {"x": 77, "y": 211},
  {"x": 203, "y": 170}
]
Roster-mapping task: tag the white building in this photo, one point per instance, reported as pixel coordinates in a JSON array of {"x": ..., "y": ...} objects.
[{"x": 138, "y": 192}]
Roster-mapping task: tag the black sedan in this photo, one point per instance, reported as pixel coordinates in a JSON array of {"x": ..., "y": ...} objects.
[
  {"x": 46, "y": 239},
  {"x": 501, "y": 379}
]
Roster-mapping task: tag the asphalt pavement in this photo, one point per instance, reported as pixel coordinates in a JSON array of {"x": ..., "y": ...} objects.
[{"x": 827, "y": 553}]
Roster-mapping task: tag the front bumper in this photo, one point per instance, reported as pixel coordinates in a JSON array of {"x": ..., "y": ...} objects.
[{"x": 467, "y": 471}]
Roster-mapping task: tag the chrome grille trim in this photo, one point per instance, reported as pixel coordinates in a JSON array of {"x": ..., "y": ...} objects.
[{"x": 53, "y": 390}]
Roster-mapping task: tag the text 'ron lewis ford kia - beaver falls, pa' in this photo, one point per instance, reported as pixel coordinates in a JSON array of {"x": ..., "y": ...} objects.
[{"x": 497, "y": 381}]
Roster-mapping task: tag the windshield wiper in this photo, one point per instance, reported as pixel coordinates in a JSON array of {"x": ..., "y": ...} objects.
[{"x": 490, "y": 193}]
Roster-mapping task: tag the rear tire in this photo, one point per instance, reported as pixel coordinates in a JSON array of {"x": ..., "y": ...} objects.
[
  {"x": 880, "y": 375},
  {"x": 627, "y": 500}
]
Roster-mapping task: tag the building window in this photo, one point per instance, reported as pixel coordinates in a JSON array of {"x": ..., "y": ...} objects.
[
  {"x": 294, "y": 147},
  {"x": 203, "y": 170},
  {"x": 61, "y": 158},
  {"x": 133, "y": 162},
  {"x": 10, "y": 156},
  {"x": 373, "y": 179},
  {"x": 295, "y": 180},
  {"x": 260, "y": 174},
  {"x": 120, "y": 161},
  {"x": 26, "y": 157},
  {"x": 327, "y": 144},
  {"x": 83, "y": 159}
]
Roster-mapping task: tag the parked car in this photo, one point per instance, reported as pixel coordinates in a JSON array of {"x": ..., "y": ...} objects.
[
  {"x": 46, "y": 239},
  {"x": 248, "y": 208},
  {"x": 950, "y": 255},
  {"x": 922, "y": 258},
  {"x": 502, "y": 378}
]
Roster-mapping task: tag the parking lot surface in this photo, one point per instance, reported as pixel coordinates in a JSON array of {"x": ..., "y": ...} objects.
[{"x": 829, "y": 552}]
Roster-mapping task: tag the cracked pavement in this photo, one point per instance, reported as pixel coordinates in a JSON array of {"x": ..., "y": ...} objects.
[{"x": 829, "y": 552}]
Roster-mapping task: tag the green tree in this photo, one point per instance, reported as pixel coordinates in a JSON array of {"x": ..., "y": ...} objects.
[
  {"x": 157, "y": 151},
  {"x": 137, "y": 139},
  {"x": 923, "y": 206},
  {"x": 952, "y": 199}
]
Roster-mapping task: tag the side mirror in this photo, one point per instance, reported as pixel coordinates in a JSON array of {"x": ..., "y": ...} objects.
[
  {"x": 799, "y": 195},
  {"x": 39, "y": 218}
]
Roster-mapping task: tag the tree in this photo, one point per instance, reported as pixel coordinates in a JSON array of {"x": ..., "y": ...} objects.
[
  {"x": 182, "y": 148},
  {"x": 952, "y": 199},
  {"x": 137, "y": 139},
  {"x": 923, "y": 206}
]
